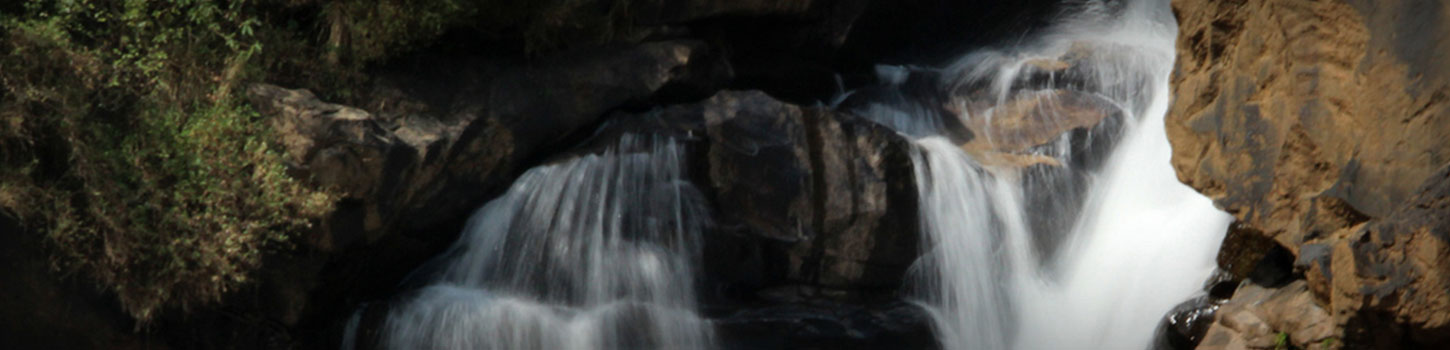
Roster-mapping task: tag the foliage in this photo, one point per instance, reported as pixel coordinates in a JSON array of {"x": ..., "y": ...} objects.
[
  {"x": 122, "y": 142},
  {"x": 366, "y": 31},
  {"x": 1281, "y": 342}
]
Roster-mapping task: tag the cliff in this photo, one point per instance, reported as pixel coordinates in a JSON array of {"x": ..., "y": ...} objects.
[{"x": 1321, "y": 127}]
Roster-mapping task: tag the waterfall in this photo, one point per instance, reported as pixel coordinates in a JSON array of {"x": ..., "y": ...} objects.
[
  {"x": 593, "y": 252},
  {"x": 1051, "y": 215},
  {"x": 1134, "y": 242}
]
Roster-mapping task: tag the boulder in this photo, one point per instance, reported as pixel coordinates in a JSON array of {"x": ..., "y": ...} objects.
[
  {"x": 1261, "y": 318},
  {"x": 1033, "y": 118},
  {"x": 834, "y": 195},
  {"x": 760, "y": 164},
  {"x": 1186, "y": 324}
]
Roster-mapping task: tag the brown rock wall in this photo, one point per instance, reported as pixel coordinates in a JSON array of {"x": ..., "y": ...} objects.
[{"x": 1321, "y": 125}]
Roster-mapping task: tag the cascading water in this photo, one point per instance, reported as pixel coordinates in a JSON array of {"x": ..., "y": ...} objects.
[
  {"x": 594, "y": 252},
  {"x": 1138, "y": 241},
  {"x": 1048, "y": 231}
]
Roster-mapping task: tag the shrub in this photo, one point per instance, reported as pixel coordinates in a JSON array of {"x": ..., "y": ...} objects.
[
  {"x": 122, "y": 143},
  {"x": 121, "y": 140}
]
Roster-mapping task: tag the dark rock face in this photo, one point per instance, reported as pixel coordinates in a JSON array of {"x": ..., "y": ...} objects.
[
  {"x": 1186, "y": 324},
  {"x": 835, "y": 194},
  {"x": 407, "y": 171},
  {"x": 405, "y": 164},
  {"x": 1321, "y": 127},
  {"x": 816, "y": 208},
  {"x": 42, "y": 309},
  {"x": 814, "y": 220},
  {"x": 823, "y": 202},
  {"x": 932, "y": 32},
  {"x": 827, "y": 326},
  {"x": 1396, "y": 272},
  {"x": 760, "y": 164},
  {"x": 1043, "y": 106}
]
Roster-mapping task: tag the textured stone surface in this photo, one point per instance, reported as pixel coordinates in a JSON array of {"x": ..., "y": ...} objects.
[
  {"x": 1389, "y": 281},
  {"x": 1321, "y": 126},
  {"x": 412, "y": 170},
  {"x": 831, "y": 196},
  {"x": 1257, "y": 316},
  {"x": 415, "y": 164},
  {"x": 1033, "y": 118}
]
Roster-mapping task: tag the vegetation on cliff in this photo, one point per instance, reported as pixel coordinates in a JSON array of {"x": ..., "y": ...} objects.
[{"x": 123, "y": 144}]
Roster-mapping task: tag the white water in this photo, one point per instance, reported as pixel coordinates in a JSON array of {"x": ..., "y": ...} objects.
[
  {"x": 1142, "y": 243},
  {"x": 599, "y": 251},
  {"x": 595, "y": 252}
]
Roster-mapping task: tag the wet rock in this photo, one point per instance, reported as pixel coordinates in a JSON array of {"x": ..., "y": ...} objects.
[
  {"x": 1019, "y": 133},
  {"x": 827, "y": 326},
  {"x": 834, "y": 194},
  {"x": 1186, "y": 324},
  {"x": 1242, "y": 249},
  {"x": 1246, "y": 254},
  {"x": 865, "y": 205},
  {"x": 910, "y": 100},
  {"x": 1057, "y": 138},
  {"x": 412, "y": 167},
  {"x": 1221, "y": 285},
  {"x": 814, "y": 220},
  {"x": 1048, "y": 133},
  {"x": 760, "y": 163},
  {"x": 1031, "y": 118}
]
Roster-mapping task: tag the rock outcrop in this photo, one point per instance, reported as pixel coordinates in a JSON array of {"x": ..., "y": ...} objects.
[
  {"x": 834, "y": 194},
  {"x": 405, "y": 165},
  {"x": 1262, "y": 318},
  {"x": 813, "y": 220},
  {"x": 409, "y": 169},
  {"x": 443, "y": 128},
  {"x": 816, "y": 224},
  {"x": 1321, "y": 127}
]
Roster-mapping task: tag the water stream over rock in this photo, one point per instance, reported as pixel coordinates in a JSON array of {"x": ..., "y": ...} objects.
[
  {"x": 593, "y": 252},
  {"x": 1133, "y": 241},
  {"x": 1049, "y": 214}
]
